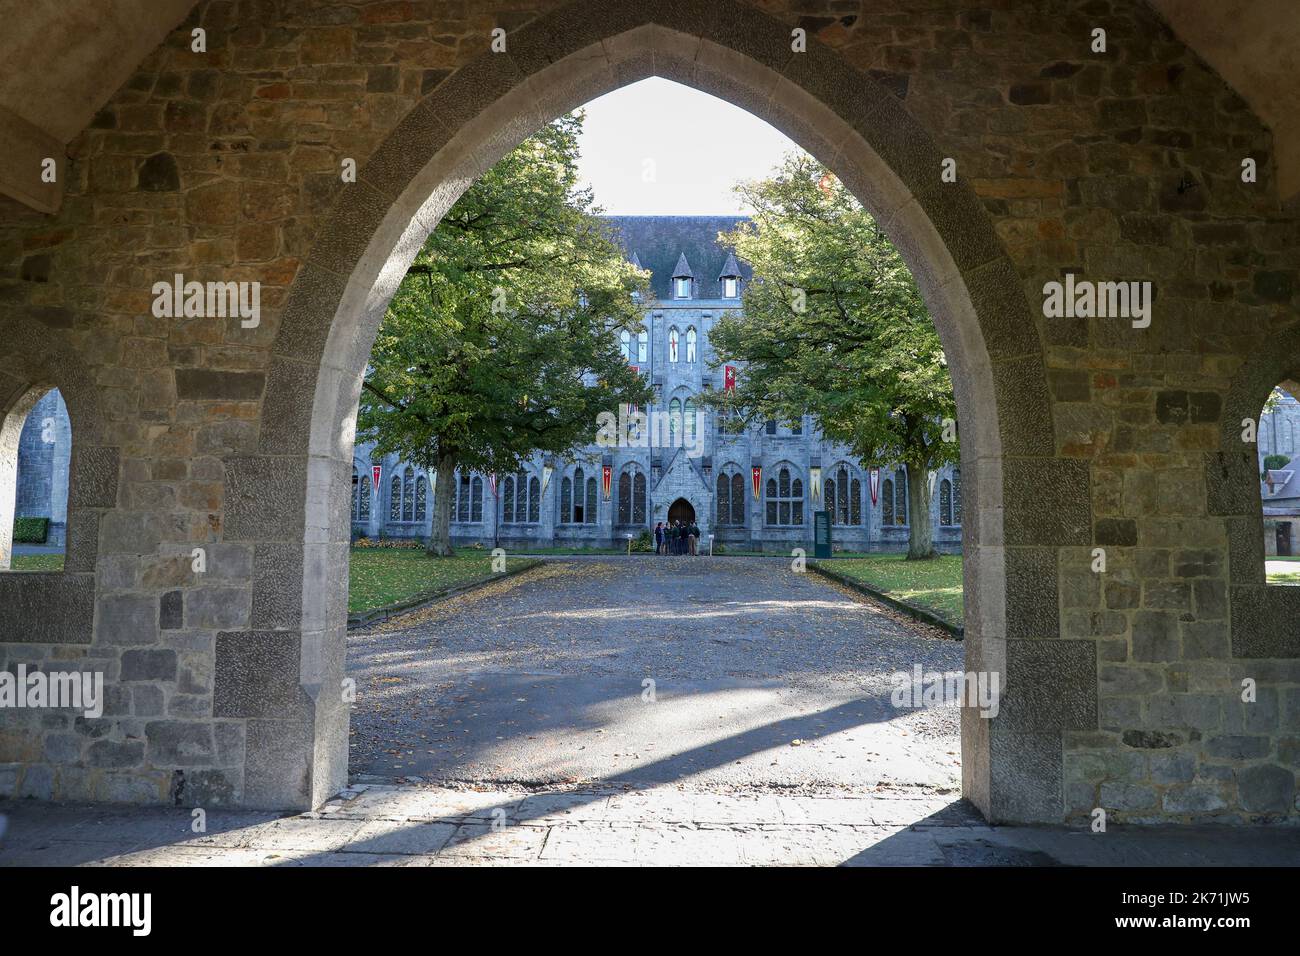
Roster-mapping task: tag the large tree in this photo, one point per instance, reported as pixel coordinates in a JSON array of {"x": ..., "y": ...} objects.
[
  {"x": 834, "y": 325},
  {"x": 503, "y": 338}
]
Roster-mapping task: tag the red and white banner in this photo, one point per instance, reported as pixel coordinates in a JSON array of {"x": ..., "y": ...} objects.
[
  {"x": 606, "y": 476},
  {"x": 875, "y": 485},
  {"x": 375, "y": 472},
  {"x": 758, "y": 478},
  {"x": 729, "y": 378}
]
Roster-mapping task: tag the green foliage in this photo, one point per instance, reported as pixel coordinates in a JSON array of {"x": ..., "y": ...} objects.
[
  {"x": 835, "y": 326},
  {"x": 1275, "y": 462},
  {"x": 862, "y": 354},
  {"x": 644, "y": 543},
  {"x": 31, "y": 530},
  {"x": 503, "y": 338}
]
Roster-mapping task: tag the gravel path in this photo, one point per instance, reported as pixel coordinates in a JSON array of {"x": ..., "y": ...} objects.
[{"x": 712, "y": 673}]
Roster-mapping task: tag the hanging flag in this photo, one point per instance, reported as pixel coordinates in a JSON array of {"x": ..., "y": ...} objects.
[
  {"x": 729, "y": 378},
  {"x": 492, "y": 483},
  {"x": 758, "y": 478},
  {"x": 815, "y": 481},
  {"x": 375, "y": 472},
  {"x": 636, "y": 369},
  {"x": 875, "y": 486},
  {"x": 606, "y": 476}
]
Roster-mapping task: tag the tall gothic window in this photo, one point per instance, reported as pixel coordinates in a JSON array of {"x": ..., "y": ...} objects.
[
  {"x": 784, "y": 499},
  {"x": 625, "y": 344},
  {"x": 688, "y": 420},
  {"x": 408, "y": 494},
  {"x": 356, "y": 494},
  {"x": 690, "y": 344},
  {"x": 519, "y": 499},
  {"x": 956, "y": 496},
  {"x": 578, "y": 499},
  {"x": 395, "y": 499},
  {"x": 945, "y": 502},
  {"x": 855, "y": 501},
  {"x": 476, "y": 499},
  {"x": 631, "y": 496},
  {"x": 900, "y": 496},
  {"x": 421, "y": 498},
  {"x": 643, "y": 346},
  {"x": 674, "y": 422},
  {"x": 887, "y": 501},
  {"x": 731, "y": 499},
  {"x": 363, "y": 499},
  {"x": 841, "y": 497}
]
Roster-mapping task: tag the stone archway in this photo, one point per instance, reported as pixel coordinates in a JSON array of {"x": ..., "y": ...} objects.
[
  {"x": 296, "y": 743},
  {"x": 681, "y": 510}
]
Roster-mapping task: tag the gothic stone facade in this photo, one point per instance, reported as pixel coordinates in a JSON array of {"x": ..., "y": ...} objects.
[{"x": 694, "y": 280}]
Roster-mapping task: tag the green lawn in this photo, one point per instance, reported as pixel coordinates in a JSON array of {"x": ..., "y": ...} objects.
[
  {"x": 382, "y": 576},
  {"x": 934, "y": 585},
  {"x": 37, "y": 562},
  {"x": 1287, "y": 576}
]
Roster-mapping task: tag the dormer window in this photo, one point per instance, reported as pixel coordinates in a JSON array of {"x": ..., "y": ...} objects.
[
  {"x": 683, "y": 278},
  {"x": 730, "y": 277}
]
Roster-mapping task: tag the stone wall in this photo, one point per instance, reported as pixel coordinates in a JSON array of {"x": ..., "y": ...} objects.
[{"x": 1124, "y": 688}]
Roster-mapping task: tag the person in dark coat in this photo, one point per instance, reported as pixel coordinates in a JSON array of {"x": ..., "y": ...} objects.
[{"x": 659, "y": 538}]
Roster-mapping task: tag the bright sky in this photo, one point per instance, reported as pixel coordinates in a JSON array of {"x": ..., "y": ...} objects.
[{"x": 660, "y": 148}]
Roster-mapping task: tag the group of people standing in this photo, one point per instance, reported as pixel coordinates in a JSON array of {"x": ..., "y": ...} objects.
[{"x": 677, "y": 537}]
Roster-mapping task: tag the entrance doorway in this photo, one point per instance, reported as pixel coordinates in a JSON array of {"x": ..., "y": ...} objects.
[
  {"x": 1284, "y": 539},
  {"x": 681, "y": 510}
]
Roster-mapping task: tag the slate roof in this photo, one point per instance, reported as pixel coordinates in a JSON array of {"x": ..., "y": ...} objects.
[
  {"x": 659, "y": 242},
  {"x": 1286, "y": 484}
]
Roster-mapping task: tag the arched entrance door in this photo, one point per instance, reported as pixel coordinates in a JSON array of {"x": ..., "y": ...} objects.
[{"x": 681, "y": 510}]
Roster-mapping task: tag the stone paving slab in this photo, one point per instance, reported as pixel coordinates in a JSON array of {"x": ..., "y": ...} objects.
[{"x": 383, "y": 825}]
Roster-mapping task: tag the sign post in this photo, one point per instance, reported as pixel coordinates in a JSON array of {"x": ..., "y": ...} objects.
[{"x": 821, "y": 534}]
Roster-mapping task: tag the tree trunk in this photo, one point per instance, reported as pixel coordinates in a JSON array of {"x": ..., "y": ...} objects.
[
  {"x": 920, "y": 543},
  {"x": 444, "y": 496}
]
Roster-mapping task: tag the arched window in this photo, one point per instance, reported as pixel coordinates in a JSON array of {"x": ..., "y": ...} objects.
[
  {"x": 945, "y": 502},
  {"x": 508, "y": 500},
  {"x": 674, "y": 422},
  {"x": 35, "y": 468},
  {"x": 672, "y": 344},
  {"x": 690, "y": 344},
  {"x": 461, "y": 511},
  {"x": 625, "y": 344},
  {"x": 887, "y": 501},
  {"x": 363, "y": 499},
  {"x": 578, "y": 499},
  {"x": 839, "y": 498},
  {"x": 956, "y": 496},
  {"x": 688, "y": 421},
  {"x": 643, "y": 346},
  {"x": 421, "y": 498},
  {"x": 408, "y": 494},
  {"x": 395, "y": 499},
  {"x": 519, "y": 502},
  {"x": 356, "y": 494},
  {"x": 625, "y": 498},
  {"x": 731, "y": 499},
  {"x": 855, "y": 501},
  {"x": 476, "y": 499},
  {"x": 639, "y": 498},
  {"x": 900, "y": 497},
  {"x": 631, "y": 496},
  {"x": 784, "y": 499}
]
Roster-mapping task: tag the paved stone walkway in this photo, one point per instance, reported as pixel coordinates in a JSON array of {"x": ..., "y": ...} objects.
[
  {"x": 376, "y": 825},
  {"x": 762, "y": 677}
]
